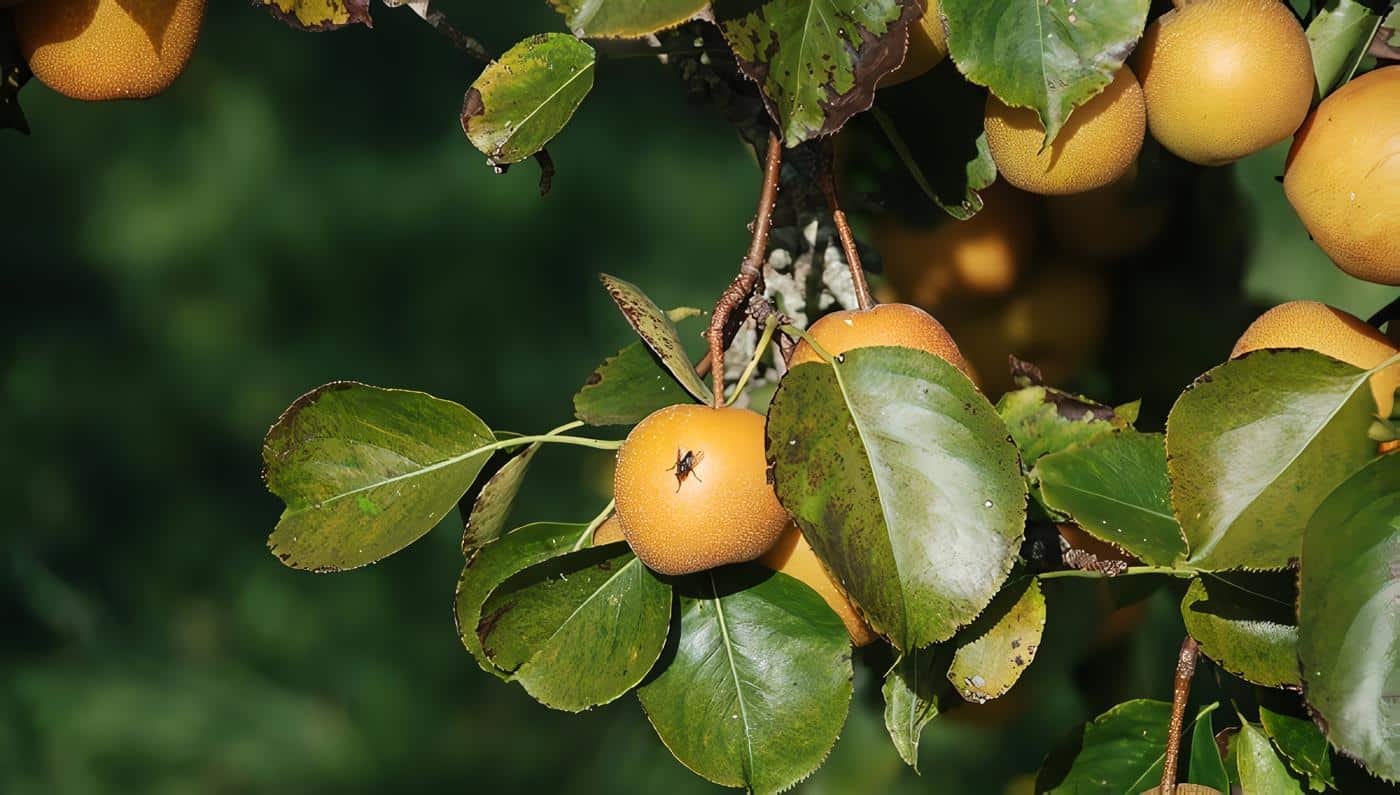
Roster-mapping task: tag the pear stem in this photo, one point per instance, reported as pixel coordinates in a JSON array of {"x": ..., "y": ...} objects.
[
  {"x": 827, "y": 177},
  {"x": 1181, "y": 689}
]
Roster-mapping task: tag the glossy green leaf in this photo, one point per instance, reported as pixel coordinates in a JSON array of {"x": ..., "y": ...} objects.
[
  {"x": 580, "y": 629},
  {"x": 601, "y": 19},
  {"x": 365, "y": 472},
  {"x": 629, "y": 386},
  {"x": 1121, "y": 752},
  {"x": 949, "y": 160},
  {"x": 487, "y": 508},
  {"x": 754, "y": 687},
  {"x": 1206, "y": 766},
  {"x": 1261, "y": 771},
  {"x": 1001, "y": 644},
  {"x": 816, "y": 62},
  {"x": 1339, "y": 36},
  {"x": 1047, "y": 55},
  {"x": 903, "y": 479},
  {"x": 317, "y": 15},
  {"x": 498, "y": 561},
  {"x": 1116, "y": 488},
  {"x": 1348, "y": 624},
  {"x": 913, "y": 690},
  {"x": 520, "y": 102},
  {"x": 1253, "y": 447},
  {"x": 1244, "y": 632},
  {"x": 1303, "y": 745},
  {"x": 658, "y": 331}
]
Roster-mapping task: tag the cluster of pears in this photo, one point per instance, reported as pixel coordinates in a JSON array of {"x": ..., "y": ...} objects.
[
  {"x": 692, "y": 485},
  {"x": 107, "y": 49}
]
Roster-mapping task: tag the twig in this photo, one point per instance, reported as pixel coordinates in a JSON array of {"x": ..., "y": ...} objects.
[
  {"x": 434, "y": 17},
  {"x": 546, "y": 171},
  {"x": 750, "y": 274},
  {"x": 1181, "y": 688},
  {"x": 827, "y": 176}
]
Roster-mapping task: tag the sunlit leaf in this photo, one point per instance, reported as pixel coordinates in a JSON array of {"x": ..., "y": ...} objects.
[
  {"x": 905, "y": 483},
  {"x": 913, "y": 690},
  {"x": 365, "y": 472},
  {"x": 625, "y": 18},
  {"x": 1001, "y": 644},
  {"x": 486, "y": 509},
  {"x": 520, "y": 102},
  {"x": 1339, "y": 36},
  {"x": 627, "y": 387},
  {"x": 659, "y": 333},
  {"x": 317, "y": 15},
  {"x": 1245, "y": 631}
]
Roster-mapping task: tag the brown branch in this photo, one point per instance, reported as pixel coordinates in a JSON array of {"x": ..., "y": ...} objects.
[
  {"x": 750, "y": 276},
  {"x": 439, "y": 22},
  {"x": 1181, "y": 688},
  {"x": 827, "y": 177}
]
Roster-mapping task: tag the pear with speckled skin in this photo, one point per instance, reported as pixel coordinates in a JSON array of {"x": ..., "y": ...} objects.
[
  {"x": 895, "y": 325},
  {"x": 108, "y": 49}
]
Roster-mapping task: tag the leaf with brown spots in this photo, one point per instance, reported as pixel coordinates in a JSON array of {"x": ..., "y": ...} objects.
[
  {"x": 659, "y": 333},
  {"x": 319, "y": 15},
  {"x": 1001, "y": 644},
  {"x": 521, "y": 101}
]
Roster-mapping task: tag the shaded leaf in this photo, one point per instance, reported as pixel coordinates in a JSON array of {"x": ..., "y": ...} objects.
[
  {"x": 913, "y": 690},
  {"x": 816, "y": 62},
  {"x": 1003, "y": 642},
  {"x": 659, "y": 333},
  {"x": 578, "y": 630},
  {"x": 625, "y": 18},
  {"x": 1115, "y": 487},
  {"x": 1253, "y": 447},
  {"x": 319, "y": 15},
  {"x": 1339, "y": 37},
  {"x": 520, "y": 102},
  {"x": 1047, "y": 55},
  {"x": 366, "y": 471},
  {"x": 1247, "y": 634},
  {"x": 1120, "y": 752},
  {"x": 1348, "y": 626},
  {"x": 1260, "y": 768},
  {"x": 754, "y": 688},
  {"x": 1301, "y": 742},
  {"x": 1206, "y": 766},
  {"x": 904, "y": 481},
  {"x": 631, "y": 385},
  {"x": 486, "y": 509},
  {"x": 14, "y": 73},
  {"x": 498, "y": 561}
]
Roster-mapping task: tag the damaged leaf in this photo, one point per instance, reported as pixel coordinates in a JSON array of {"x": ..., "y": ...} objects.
[
  {"x": 521, "y": 101},
  {"x": 319, "y": 15},
  {"x": 1004, "y": 640},
  {"x": 625, "y": 19}
]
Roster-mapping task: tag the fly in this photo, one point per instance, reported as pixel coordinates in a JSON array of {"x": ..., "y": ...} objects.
[{"x": 685, "y": 466}]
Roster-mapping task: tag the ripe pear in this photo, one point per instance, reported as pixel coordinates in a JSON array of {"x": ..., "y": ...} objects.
[
  {"x": 793, "y": 556},
  {"x": 928, "y": 46},
  {"x": 898, "y": 325}
]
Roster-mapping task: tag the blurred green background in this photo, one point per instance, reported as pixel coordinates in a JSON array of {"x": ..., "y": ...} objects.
[{"x": 303, "y": 208}]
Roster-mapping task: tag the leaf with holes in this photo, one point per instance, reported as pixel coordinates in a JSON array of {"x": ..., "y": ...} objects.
[
  {"x": 498, "y": 561},
  {"x": 1115, "y": 487},
  {"x": 1302, "y": 744},
  {"x": 1047, "y": 55},
  {"x": 755, "y": 684},
  {"x": 1244, "y": 629},
  {"x": 1348, "y": 626},
  {"x": 913, "y": 690},
  {"x": 578, "y": 630},
  {"x": 905, "y": 482},
  {"x": 1001, "y": 644},
  {"x": 365, "y": 472},
  {"x": 1260, "y": 768},
  {"x": 626, "y": 19},
  {"x": 520, "y": 102},
  {"x": 658, "y": 331},
  {"x": 631, "y": 385},
  {"x": 1255, "y": 444},
  {"x": 816, "y": 62},
  {"x": 318, "y": 15},
  {"x": 1121, "y": 752}
]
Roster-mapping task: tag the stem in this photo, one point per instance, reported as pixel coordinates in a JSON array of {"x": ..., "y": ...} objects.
[
  {"x": 438, "y": 20},
  {"x": 1131, "y": 570},
  {"x": 568, "y": 426},
  {"x": 750, "y": 270},
  {"x": 593, "y": 525},
  {"x": 759, "y": 349},
  {"x": 794, "y": 331},
  {"x": 1181, "y": 688},
  {"x": 827, "y": 177},
  {"x": 596, "y": 444}
]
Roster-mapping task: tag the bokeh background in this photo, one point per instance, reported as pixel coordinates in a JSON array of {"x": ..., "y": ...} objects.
[{"x": 302, "y": 208}]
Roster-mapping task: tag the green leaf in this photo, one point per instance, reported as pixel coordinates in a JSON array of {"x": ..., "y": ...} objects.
[
  {"x": 1261, "y": 771},
  {"x": 903, "y": 479},
  {"x": 754, "y": 687},
  {"x": 631, "y": 385},
  {"x": 1047, "y": 55},
  {"x": 630, "y": 19},
  {"x": 816, "y": 62},
  {"x": 317, "y": 15},
  {"x": 365, "y": 472},
  {"x": 1253, "y": 447},
  {"x": 1116, "y": 488},
  {"x": 1339, "y": 37},
  {"x": 1206, "y": 766},
  {"x": 948, "y": 160},
  {"x": 490, "y": 506},
  {"x": 1004, "y": 640},
  {"x": 1121, "y": 752},
  {"x": 500, "y": 560},
  {"x": 1303, "y": 745},
  {"x": 14, "y": 73},
  {"x": 1244, "y": 631},
  {"x": 913, "y": 690},
  {"x": 1348, "y": 627},
  {"x": 659, "y": 333},
  {"x": 578, "y": 630},
  {"x": 520, "y": 102}
]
